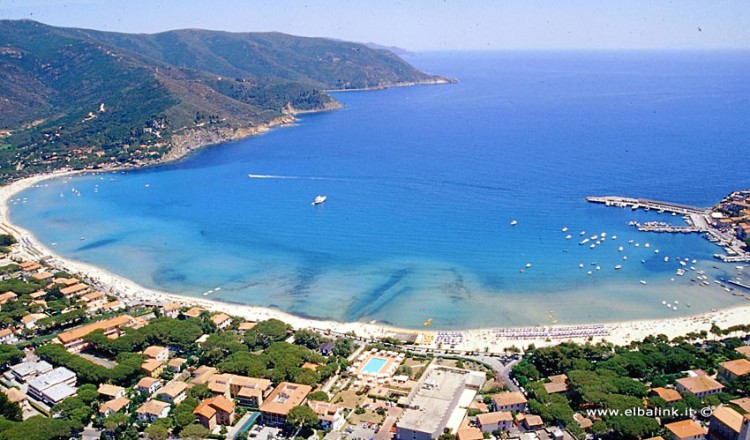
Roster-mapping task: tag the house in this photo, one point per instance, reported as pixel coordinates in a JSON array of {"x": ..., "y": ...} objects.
[
  {"x": 221, "y": 320},
  {"x": 26, "y": 371},
  {"x": 152, "y": 367},
  {"x": 113, "y": 306},
  {"x": 73, "y": 341},
  {"x": 7, "y": 297},
  {"x": 53, "y": 387},
  {"x": 244, "y": 327},
  {"x": 495, "y": 421},
  {"x": 148, "y": 385},
  {"x": 202, "y": 374},
  {"x": 744, "y": 351},
  {"x": 557, "y": 384},
  {"x": 583, "y": 422},
  {"x": 38, "y": 305},
  {"x": 15, "y": 395},
  {"x": 532, "y": 421},
  {"x": 330, "y": 415},
  {"x": 73, "y": 290},
  {"x": 173, "y": 392},
  {"x": 282, "y": 399},
  {"x": 733, "y": 370},
  {"x": 171, "y": 310},
  {"x": 39, "y": 294},
  {"x": 152, "y": 410},
  {"x": 726, "y": 424},
  {"x": 327, "y": 348},
  {"x": 41, "y": 276},
  {"x": 64, "y": 282},
  {"x": 685, "y": 430},
  {"x": 29, "y": 321},
  {"x": 217, "y": 410},
  {"x": 29, "y": 266},
  {"x": 669, "y": 395},
  {"x": 743, "y": 403},
  {"x": 157, "y": 353},
  {"x": 469, "y": 434},
  {"x": 110, "y": 392},
  {"x": 509, "y": 401},
  {"x": 194, "y": 312},
  {"x": 112, "y": 406},
  {"x": 7, "y": 336},
  {"x": 249, "y": 391},
  {"x": 700, "y": 386},
  {"x": 93, "y": 300},
  {"x": 176, "y": 364}
]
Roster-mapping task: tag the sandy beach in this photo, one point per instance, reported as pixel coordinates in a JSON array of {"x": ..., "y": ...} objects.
[{"x": 489, "y": 340}]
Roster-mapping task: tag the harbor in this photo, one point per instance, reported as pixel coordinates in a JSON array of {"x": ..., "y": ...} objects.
[{"x": 699, "y": 220}]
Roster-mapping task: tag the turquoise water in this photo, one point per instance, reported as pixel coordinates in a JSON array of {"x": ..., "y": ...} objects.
[
  {"x": 422, "y": 185},
  {"x": 374, "y": 365}
]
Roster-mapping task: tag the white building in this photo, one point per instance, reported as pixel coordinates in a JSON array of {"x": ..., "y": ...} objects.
[
  {"x": 26, "y": 371},
  {"x": 53, "y": 387}
]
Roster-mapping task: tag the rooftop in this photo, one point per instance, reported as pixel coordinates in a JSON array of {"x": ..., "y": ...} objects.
[
  {"x": 744, "y": 350},
  {"x": 154, "y": 351},
  {"x": 668, "y": 394},
  {"x": 739, "y": 367},
  {"x": 494, "y": 417},
  {"x": 509, "y": 398},
  {"x": 699, "y": 384},
  {"x": 114, "y": 405},
  {"x": 469, "y": 434},
  {"x": 80, "y": 332},
  {"x": 106, "y": 389},
  {"x": 285, "y": 397},
  {"x": 729, "y": 417},
  {"x": 685, "y": 429},
  {"x": 153, "y": 407},
  {"x": 173, "y": 389},
  {"x": 54, "y": 377}
]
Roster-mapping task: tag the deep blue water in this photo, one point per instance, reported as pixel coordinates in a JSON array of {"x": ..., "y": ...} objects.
[{"x": 422, "y": 184}]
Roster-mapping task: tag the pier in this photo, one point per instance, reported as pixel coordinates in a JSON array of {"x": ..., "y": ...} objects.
[
  {"x": 648, "y": 204},
  {"x": 664, "y": 227}
]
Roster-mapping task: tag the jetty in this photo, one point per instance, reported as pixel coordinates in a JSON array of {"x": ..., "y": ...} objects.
[
  {"x": 665, "y": 227},
  {"x": 648, "y": 204}
]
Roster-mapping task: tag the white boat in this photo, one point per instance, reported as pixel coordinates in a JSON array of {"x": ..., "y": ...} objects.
[
  {"x": 581, "y": 265},
  {"x": 528, "y": 265},
  {"x": 647, "y": 245},
  {"x": 565, "y": 229},
  {"x": 568, "y": 237},
  {"x": 624, "y": 257},
  {"x": 656, "y": 251},
  {"x": 588, "y": 273},
  {"x": 598, "y": 268},
  {"x": 683, "y": 264},
  {"x": 680, "y": 272},
  {"x": 584, "y": 241},
  {"x": 513, "y": 223},
  {"x": 614, "y": 237},
  {"x": 643, "y": 282},
  {"x": 592, "y": 246},
  {"x": 620, "y": 248},
  {"x": 582, "y": 233},
  {"x": 666, "y": 259},
  {"x": 319, "y": 199},
  {"x": 664, "y": 302},
  {"x": 618, "y": 267}
]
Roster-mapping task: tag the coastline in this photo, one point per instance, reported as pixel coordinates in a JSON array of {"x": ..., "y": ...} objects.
[{"x": 481, "y": 339}]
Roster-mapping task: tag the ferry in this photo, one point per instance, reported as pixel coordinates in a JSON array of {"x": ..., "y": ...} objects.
[{"x": 319, "y": 199}]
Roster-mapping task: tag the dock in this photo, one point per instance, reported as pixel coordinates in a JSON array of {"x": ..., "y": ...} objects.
[
  {"x": 738, "y": 284},
  {"x": 664, "y": 227},
  {"x": 648, "y": 204}
]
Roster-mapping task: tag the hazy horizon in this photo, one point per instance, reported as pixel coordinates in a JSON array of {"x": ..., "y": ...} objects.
[{"x": 421, "y": 25}]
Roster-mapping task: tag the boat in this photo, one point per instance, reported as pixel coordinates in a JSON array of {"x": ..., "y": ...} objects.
[
  {"x": 565, "y": 229},
  {"x": 319, "y": 199},
  {"x": 647, "y": 245},
  {"x": 624, "y": 257},
  {"x": 528, "y": 265},
  {"x": 643, "y": 282},
  {"x": 514, "y": 222},
  {"x": 618, "y": 267},
  {"x": 666, "y": 259},
  {"x": 568, "y": 237},
  {"x": 592, "y": 246},
  {"x": 680, "y": 272},
  {"x": 620, "y": 248},
  {"x": 588, "y": 273},
  {"x": 656, "y": 251},
  {"x": 614, "y": 237},
  {"x": 598, "y": 268},
  {"x": 584, "y": 241},
  {"x": 581, "y": 265},
  {"x": 428, "y": 322},
  {"x": 582, "y": 233}
]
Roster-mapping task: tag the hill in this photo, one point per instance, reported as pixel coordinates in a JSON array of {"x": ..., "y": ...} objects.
[{"x": 81, "y": 98}]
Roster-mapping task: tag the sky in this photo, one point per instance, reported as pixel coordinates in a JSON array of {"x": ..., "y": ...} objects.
[{"x": 422, "y": 25}]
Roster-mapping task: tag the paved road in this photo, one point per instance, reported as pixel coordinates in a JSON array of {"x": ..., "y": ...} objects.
[{"x": 501, "y": 370}]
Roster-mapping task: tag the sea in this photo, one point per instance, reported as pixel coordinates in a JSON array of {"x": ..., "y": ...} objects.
[{"x": 423, "y": 185}]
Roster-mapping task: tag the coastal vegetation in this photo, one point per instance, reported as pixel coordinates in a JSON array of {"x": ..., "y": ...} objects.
[{"x": 77, "y": 98}]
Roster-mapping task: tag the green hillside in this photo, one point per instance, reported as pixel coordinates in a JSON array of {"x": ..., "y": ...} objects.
[{"x": 81, "y": 98}]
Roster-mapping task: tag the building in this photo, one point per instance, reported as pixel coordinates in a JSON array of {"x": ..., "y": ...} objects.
[
  {"x": 176, "y": 364},
  {"x": 532, "y": 422},
  {"x": 744, "y": 351},
  {"x": 94, "y": 300},
  {"x": 7, "y": 297},
  {"x": 53, "y": 387},
  {"x": 249, "y": 391},
  {"x": 113, "y": 306},
  {"x": 202, "y": 374},
  {"x": 29, "y": 321},
  {"x": 669, "y": 395},
  {"x": 700, "y": 386},
  {"x": 244, "y": 327},
  {"x": 157, "y": 352},
  {"x": 7, "y": 336},
  {"x": 194, "y": 312},
  {"x": 221, "y": 320},
  {"x": 112, "y": 406},
  {"x": 171, "y": 310},
  {"x": 29, "y": 266},
  {"x": 469, "y": 434},
  {"x": 217, "y": 410},
  {"x": 733, "y": 370},
  {"x": 282, "y": 399},
  {"x": 495, "y": 421},
  {"x": 726, "y": 424},
  {"x": 173, "y": 392},
  {"x": 41, "y": 276},
  {"x": 152, "y": 367},
  {"x": 26, "y": 371},
  {"x": 76, "y": 289},
  {"x": 148, "y": 385},
  {"x": 583, "y": 422},
  {"x": 743, "y": 403},
  {"x": 557, "y": 384},
  {"x": 326, "y": 348},
  {"x": 509, "y": 401},
  {"x": 432, "y": 402},
  {"x": 73, "y": 341},
  {"x": 152, "y": 410},
  {"x": 110, "y": 392},
  {"x": 685, "y": 430},
  {"x": 330, "y": 415}
]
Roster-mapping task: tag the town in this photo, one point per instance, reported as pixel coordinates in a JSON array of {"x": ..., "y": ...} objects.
[{"x": 80, "y": 363}]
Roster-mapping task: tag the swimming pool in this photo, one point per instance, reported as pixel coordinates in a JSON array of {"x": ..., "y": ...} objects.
[{"x": 374, "y": 365}]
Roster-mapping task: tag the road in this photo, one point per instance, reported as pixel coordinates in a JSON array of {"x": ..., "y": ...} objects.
[{"x": 501, "y": 370}]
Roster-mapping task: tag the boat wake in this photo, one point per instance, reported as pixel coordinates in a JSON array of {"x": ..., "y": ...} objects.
[{"x": 271, "y": 176}]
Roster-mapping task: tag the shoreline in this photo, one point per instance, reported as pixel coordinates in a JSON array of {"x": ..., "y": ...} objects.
[{"x": 491, "y": 340}]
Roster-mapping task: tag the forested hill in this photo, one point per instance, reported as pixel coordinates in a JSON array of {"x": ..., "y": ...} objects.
[{"x": 80, "y": 98}]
